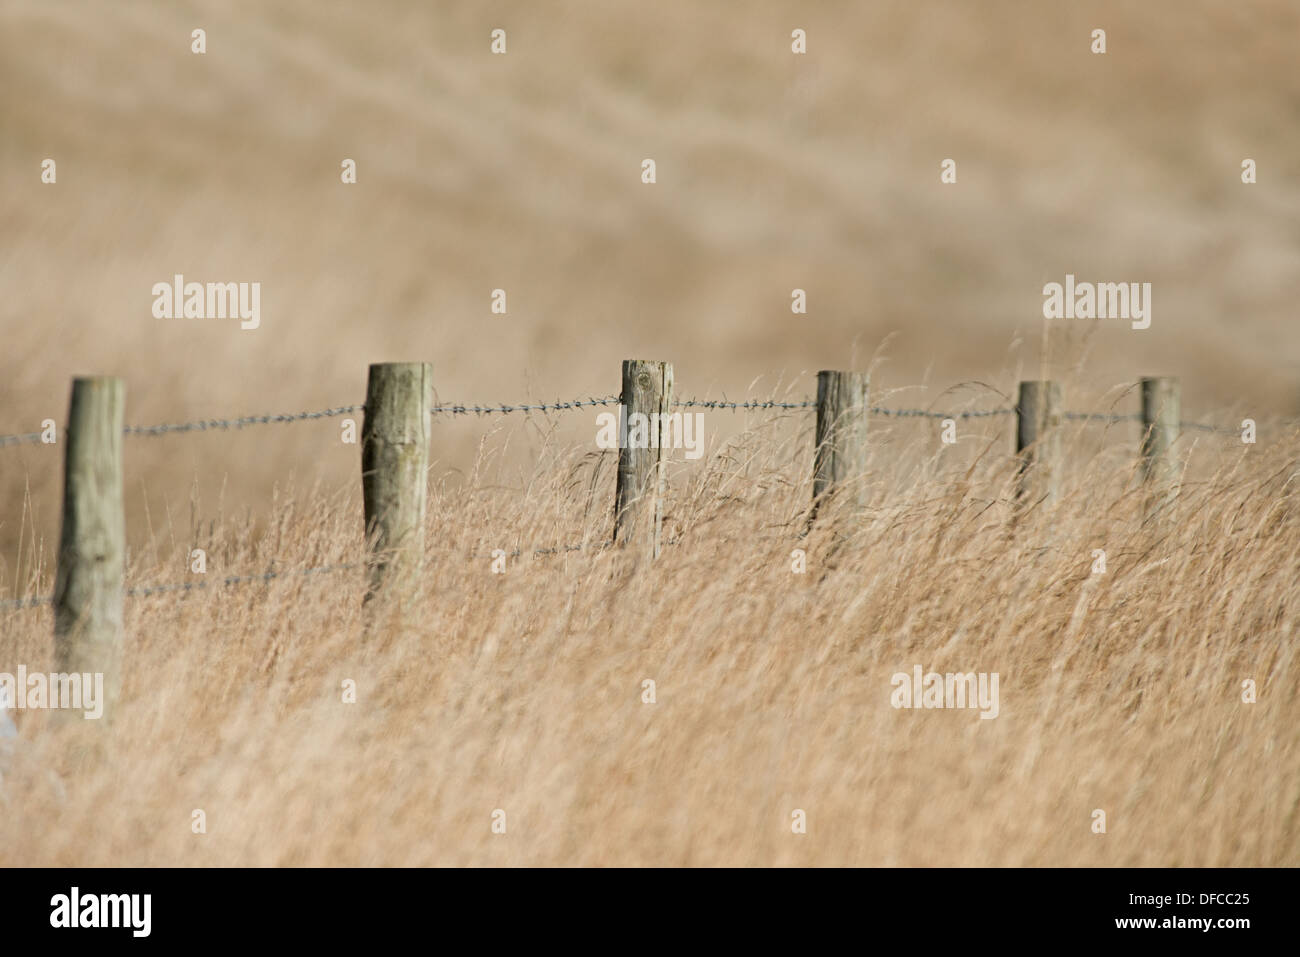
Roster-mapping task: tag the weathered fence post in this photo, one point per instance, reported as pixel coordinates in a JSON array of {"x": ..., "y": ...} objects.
[
  {"x": 88, "y": 587},
  {"x": 645, "y": 403},
  {"x": 840, "y": 452},
  {"x": 394, "y": 463},
  {"x": 1038, "y": 441},
  {"x": 1161, "y": 412}
]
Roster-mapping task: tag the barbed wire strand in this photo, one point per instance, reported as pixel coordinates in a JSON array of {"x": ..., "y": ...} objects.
[
  {"x": 750, "y": 404},
  {"x": 563, "y": 549},
  {"x": 208, "y": 425},
  {"x": 557, "y": 406},
  {"x": 143, "y": 591},
  {"x": 1112, "y": 417},
  {"x": 927, "y": 413}
]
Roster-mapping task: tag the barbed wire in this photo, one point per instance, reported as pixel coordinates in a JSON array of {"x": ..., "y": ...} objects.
[
  {"x": 927, "y": 413},
  {"x": 1204, "y": 427},
  {"x": 558, "y": 549},
  {"x": 20, "y": 439},
  {"x": 144, "y": 591},
  {"x": 207, "y": 425},
  {"x": 557, "y": 406},
  {"x": 564, "y": 549},
  {"x": 616, "y": 400},
  {"x": 1113, "y": 417},
  {"x": 1108, "y": 417},
  {"x": 750, "y": 404},
  {"x": 26, "y": 602}
]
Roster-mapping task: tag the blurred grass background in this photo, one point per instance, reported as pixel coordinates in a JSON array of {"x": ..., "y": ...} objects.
[{"x": 522, "y": 172}]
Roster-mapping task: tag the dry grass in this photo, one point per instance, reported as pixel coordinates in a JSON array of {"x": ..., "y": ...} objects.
[{"x": 522, "y": 691}]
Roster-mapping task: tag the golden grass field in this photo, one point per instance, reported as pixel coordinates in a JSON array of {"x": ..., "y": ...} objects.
[{"x": 522, "y": 691}]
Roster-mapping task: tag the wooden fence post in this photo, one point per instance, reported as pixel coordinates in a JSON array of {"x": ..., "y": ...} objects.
[
  {"x": 647, "y": 391},
  {"x": 1161, "y": 412},
  {"x": 1038, "y": 442},
  {"x": 88, "y": 587},
  {"x": 840, "y": 452},
  {"x": 394, "y": 463}
]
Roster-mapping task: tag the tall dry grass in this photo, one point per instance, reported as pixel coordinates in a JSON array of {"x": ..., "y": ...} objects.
[{"x": 522, "y": 691}]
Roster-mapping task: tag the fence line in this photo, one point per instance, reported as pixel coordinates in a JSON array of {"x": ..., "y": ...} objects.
[
  {"x": 211, "y": 425},
  {"x": 406, "y": 428},
  {"x": 503, "y": 408},
  {"x": 90, "y": 583},
  {"x": 22, "y": 438},
  {"x": 206, "y": 425},
  {"x": 144, "y": 591},
  {"x": 749, "y": 404}
]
